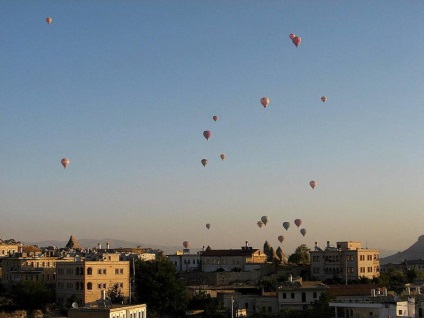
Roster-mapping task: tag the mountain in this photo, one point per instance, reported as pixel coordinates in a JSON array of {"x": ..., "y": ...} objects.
[
  {"x": 90, "y": 243},
  {"x": 414, "y": 252}
]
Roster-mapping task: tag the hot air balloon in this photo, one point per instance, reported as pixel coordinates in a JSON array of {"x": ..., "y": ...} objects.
[
  {"x": 264, "y": 101},
  {"x": 222, "y": 156},
  {"x": 207, "y": 134},
  {"x": 298, "y": 222},
  {"x": 65, "y": 162},
  {"x": 186, "y": 244},
  {"x": 49, "y": 20},
  {"x": 215, "y": 118},
  {"x": 303, "y": 232},
  {"x": 292, "y": 36},
  {"x": 265, "y": 219},
  {"x": 324, "y": 99},
  {"x": 313, "y": 184},
  {"x": 286, "y": 225},
  {"x": 204, "y": 162},
  {"x": 208, "y": 226},
  {"x": 297, "y": 40},
  {"x": 260, "y": 224},
  {"x": 281, "y": 238}
]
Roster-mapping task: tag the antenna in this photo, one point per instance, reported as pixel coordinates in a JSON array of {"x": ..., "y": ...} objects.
[{"x": 74, "y": 305}]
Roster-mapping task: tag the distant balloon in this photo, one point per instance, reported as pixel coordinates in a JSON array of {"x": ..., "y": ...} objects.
[
  {"x": 65, "y": 162},
  {"x": 204, "y": 162},
  {"x": 298, "y": 222},
  {"x": 324, "y": 99},
  {"x": 207, "y": 134},
  {"x": 297, "y": 40},
  {"x": 313, "y": 184},
  {"x": 264, "y": 101},
  {"x": 222, "y": 156},
  {"x": 186, "y": 244},
  {"x": 215, "y": 118},
  {"x": 260, "y": 224},
  {"x": 292, "y": 36},
  {"x": 286, "y": 225},
  {"x": 208, "y": 226},
  {"x": 265, "y": 219},
  {"x": 281, "y": 238},
  {"x": 303, "y": 232},
  {"x": 49, "y": 20}
]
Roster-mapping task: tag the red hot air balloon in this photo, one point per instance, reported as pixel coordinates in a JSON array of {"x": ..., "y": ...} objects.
[
  {"x": 281, "y": 238},
  {"x": 298, "y": 222},
  {"x": 215, "y": 118},
  {"x": 208, "y": 226},
  {"x": 313, "y": 184},
  {"x": 324, "y": 99},
  {"x": 65, "y": 162},
  {"x": 260, "y": 224},
  {"x": 303, "y": 232},
  {"x": 292, "y": 36},
  {"x": 222, "y": 156},
  {"x": 297, "y": 40},
  {"x": 286, "y": 225},
  {"x": 204, "y": 162},
  {"x": 207, "y": 134},
  {"x": 186, "y": 244},
  {"x": 264, "y": 101},
  {"x": 49, "y": 20}
]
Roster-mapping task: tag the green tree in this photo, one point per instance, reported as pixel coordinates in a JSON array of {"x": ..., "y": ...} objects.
[
  {"x": 300, "y": 256},
  {"x": 115, "y": 294},
  {"x": 31, "y": 295},
  {"x": 158, "y": 285}
]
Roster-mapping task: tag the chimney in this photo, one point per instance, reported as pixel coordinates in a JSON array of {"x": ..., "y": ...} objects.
[
  {"x": 103, "y": 294},
  {"x": 247, "y": 244},
  {"x": 328, "y": 243},
  {"x": 384, "y": 291},
  {"x": 107, "y": 245},
  {"x": 99, "y": 246},
  {"x": 372, "y": 292},
  {"x": 290, "y": 278},
  {"x": 418, "y": 290}
]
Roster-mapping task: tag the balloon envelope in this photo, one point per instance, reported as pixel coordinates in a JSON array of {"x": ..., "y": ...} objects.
[
  {"x": 208, "y": 226},
  {"x": 313, "y": 184},
  {"x": 260, "y": 224},
  {"x": 186, "y": 244},
  {"x": 65, "y": 162},
  {"x": 303, "y": 232},
  {"x": 286, "y": 225},
  {"x": 292, "y": 36},
  {"x": 281, "y": 238},
  {"x": 207, "y": 134},
  {"x": 204, "y": 162},
  {"x": 49, "y": 20},
  {"x": 264, "y": 101},
  {"x": 298, "y": 222},
  {"x": 264, "y": 219},
  {"x": 215, "y": 118},
  {"x": 297, "y": 40},
  {"x": 222, "y": 156},
  {"x": 324, "y": 99}
]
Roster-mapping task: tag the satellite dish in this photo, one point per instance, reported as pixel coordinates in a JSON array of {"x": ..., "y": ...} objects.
[{"x": 74, "y": 305}]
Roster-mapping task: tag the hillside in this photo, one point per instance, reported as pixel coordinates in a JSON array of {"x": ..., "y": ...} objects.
[{"x": 414, "y": 252}]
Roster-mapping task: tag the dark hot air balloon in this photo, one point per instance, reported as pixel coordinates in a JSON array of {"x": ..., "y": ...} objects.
[
  {"x": 297, "y": 40},
  {"x": 324, "y": 99},
  {"x": 281, "y": 238},
  {"x": 222, "y": 156},
  {"x": 204, "y": 162},
  {"x": 264, "y": 101},
  {"x": 207, "y": 134},
  {"x": 215, "y": 118},
  {"x": 313, "y": 184},
  {"x": 260, "y": 224},
  {"x": 265, "y": 219},
  {"x": 208, "y": 226},
  {"x": 298, "y": 222},
  {"x": 49, "y": 20},
  {"x": 303, "y": 232},
  {"x": 65, "y": 162},
  {"x": 286, "y": 225},
  {"x": 186, "y": 244},
  {"x": 292, "y": 36}
]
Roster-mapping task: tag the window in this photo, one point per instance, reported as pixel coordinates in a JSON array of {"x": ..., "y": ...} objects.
[
  {"x": 89, "y": 271},
  {"x": 314, "y": 295},
  {"x": 104, "y": 271},
  {"x": 89, "y": 286},
  {"x": 284, "y": 295},
  {"x": 99, "y": 271},
  {"x": 60, "y": 271},
  {"x": 121, "y": 271},
  {"x": 69, "y": 271},
  {"x": 292, "y": 295},
  {"x": 400, "y": 312}
]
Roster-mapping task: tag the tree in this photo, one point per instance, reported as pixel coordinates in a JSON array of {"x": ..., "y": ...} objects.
[
  {"x": 31, "y": 295},
  {"x": 158, "y": 285},
  {"x": 300, "y": 256},
  {"x": 115, "y": 294}
]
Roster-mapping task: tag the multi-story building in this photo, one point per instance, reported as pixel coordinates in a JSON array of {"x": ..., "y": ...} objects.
[
  {"x": 347, "y": 261},
  {"x": 184, "y": 261},
  {"x": 83, "y": 281},
  {"x": 8, "y": 248},
  {"x": 246, "y": 258},
  {"x": 115, "y": 311},
  {"x": 29, "y": 267}
]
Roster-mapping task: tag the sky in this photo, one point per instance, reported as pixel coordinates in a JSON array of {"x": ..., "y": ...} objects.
[{"x": 125, "y": 89}]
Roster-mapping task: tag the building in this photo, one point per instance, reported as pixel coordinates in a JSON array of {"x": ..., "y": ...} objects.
[
  {"x": 244, "y": 259},
  {"x": 27, "y": 266},
  {"x": 83, "y": 280},
  {"x": 184, "y": 261},
  {"x": 117, "y": 311},
  {"x": 8, "y": 247},
  {"x": 347, "y": 261}
]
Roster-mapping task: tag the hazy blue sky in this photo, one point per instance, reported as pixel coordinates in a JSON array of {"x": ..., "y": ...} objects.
[{"x": 125, "y": 90}]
